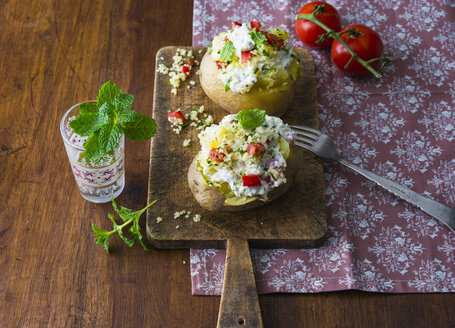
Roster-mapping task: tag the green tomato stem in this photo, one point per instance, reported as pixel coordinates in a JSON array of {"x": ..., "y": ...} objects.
[{"x": 312, "y": 18}]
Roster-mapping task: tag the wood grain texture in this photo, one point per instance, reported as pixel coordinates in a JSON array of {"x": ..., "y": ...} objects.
[
  {"x": 297, "y": 219},
  {"x": 52, "y": 274}
]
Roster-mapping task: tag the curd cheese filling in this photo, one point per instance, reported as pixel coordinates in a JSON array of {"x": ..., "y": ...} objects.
[
  {"x": 245, "y": 162},
  {"x": 250, "y": 55}
]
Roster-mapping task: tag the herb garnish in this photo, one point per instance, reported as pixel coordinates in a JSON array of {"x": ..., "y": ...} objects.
[
  {"x": 105, "y": 122},
  {"x": 227, "y": 51},
  {"x": 257, "y": 37},
  {"x": 129, "y": 217},
  {"x": 251, "y": 119}
]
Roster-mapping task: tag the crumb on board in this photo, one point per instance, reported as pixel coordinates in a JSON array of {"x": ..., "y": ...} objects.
[
  {"x": 177, "y": 227},
  {"x": 183, "y": 62},
  {"x": 159, "y": 219},
  {"x": 186, "y": 142},
  {"x": 197, "y": 218},
  {"x": 179, "y": 214}
]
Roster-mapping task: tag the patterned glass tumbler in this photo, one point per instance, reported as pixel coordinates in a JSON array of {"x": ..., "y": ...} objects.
[{"x": 98, "y": 180}]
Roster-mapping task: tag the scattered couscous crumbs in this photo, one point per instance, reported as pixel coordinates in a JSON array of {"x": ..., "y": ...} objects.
[
  {"x": 188, "y": 213},
  {"x": 186, "y": 142},
  {"x": 197, "y": 218},
  {"x": 180, "y": 69},
  {"x": 179, "y": 214},
  {"x": 159, "y": 219},
  {"x": 177, "y": 227},
  {"x": 184, "y": 262}
]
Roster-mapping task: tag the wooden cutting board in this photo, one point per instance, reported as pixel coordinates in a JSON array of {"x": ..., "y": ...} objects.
[{"x": 296, "y": 220}]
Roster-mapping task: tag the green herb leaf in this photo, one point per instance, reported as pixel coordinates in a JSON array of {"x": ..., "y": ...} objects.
[
  {"x": 92, "y": 147},
  {"x": 251, "y": 119},
  {"x": 227, "y": 51},
  {"x": 129, "y": 217},
  {"x": 109, "y": 136},
  {"x": 142, "y": 128},
  {"x": 227, "y": 87},
  {"x": 87, "y": 123},
  {"x": 257, "y": 37},
  {"x": 86, "y": 108},
  {"x": 107, "y": 93}
]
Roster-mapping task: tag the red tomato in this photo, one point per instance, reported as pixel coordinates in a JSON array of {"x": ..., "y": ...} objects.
[
  {"x": 308, "y": 32},
  {"x": 216, "y": 156},
  {"x": 255, "y": 149},
  {"x": 185, "y": 69},
  {"x": 255, "y": 25},
  {"x": 367, "y": 46},
  {"x": 251, "y": 180},
  {"x": 245, "y": 56},
  {"x": 274, "y": 40},
  {"x": 175, "y": 114}
]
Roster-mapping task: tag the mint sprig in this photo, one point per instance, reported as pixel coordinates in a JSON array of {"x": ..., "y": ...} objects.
[
  {"x": 105, "y": 122},
  {"x": 129, "y": 217},
  {"x": 251, "y": 119},
  {"x": 227, "y": 51}
]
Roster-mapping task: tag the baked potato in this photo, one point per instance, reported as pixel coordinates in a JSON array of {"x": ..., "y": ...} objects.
[
  {"x": 238, "y": 169},
  {"x": 250, "y": 67}
]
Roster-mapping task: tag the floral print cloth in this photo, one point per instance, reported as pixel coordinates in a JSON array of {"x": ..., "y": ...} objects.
[{"x": 401, "y": 127}]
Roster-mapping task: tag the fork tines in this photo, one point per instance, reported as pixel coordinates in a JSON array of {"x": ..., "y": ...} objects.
[{"x": 304, "y": 136}]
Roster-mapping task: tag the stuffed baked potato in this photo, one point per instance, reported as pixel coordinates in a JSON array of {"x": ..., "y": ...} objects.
[
  {"x": 250, "y": 67},
  {"x": 241, "y": 168}
]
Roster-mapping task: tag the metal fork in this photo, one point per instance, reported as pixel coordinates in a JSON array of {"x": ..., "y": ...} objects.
[{"x": 323, "y": 146}]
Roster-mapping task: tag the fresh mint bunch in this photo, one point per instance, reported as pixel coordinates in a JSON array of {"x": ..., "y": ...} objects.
[
  {"x": 129, "y": 217},
  {"x": 105, "y": 122},
  {"x": 251, "y": 119}
]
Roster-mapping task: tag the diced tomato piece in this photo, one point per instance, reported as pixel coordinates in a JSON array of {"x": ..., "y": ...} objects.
[
  {"x": 185, "y": 69},
  {"x": 274, "y": 40},
  {"x": 245, "y": 56},
  {"x": 220, "y": 64},
  {"x": 216, "y": 156},
  {"x": 251, "y": 180},
  {"x": 175, "y": 114},
  {"x": 255, "y": 149},
  {"x": 234, "y": 24},
  {"x": 255, "y": 25},
  {"x": 225, "y": 39},
  {"x": 269, "y": 180}
]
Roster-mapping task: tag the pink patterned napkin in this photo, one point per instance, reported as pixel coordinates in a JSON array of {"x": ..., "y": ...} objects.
[{"x": 401, "y": 127}]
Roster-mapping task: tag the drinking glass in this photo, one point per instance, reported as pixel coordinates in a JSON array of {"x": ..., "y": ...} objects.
[{"x": 98, "y": 180}]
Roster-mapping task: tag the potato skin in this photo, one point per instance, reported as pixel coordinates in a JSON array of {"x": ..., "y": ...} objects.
[
  {"x": 274, "y": 101},
  {"x": 211, "y": 199}
]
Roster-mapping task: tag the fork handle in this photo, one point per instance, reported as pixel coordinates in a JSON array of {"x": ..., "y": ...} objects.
[{"x": 440, "y": 211}]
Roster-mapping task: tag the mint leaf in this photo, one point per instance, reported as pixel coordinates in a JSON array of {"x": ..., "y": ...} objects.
[
  {"x": 123, "y": 102},
  {"x": 142, "y": 128},
  {"x": 129, "y": 217},
  {"x": 251, "y": 119},
  {"x": 227, "y": 87},
  {"x": 87, "y": 123},
  {"x": 227, "y": 51},
  {"x": 107, "y": 93},
  {"x": 86, "y": 108},
  {"x": 92, "y": 147},
  {"x": 257, "y": 37},
  {"x": 128, "y": 115},
  {"x": 110, "y": 135}
]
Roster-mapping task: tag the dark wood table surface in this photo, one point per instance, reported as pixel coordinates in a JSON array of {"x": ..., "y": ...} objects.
[{"x": 54, "y": 54}]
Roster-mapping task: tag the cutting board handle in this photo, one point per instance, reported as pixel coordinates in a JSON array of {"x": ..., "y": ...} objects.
[{"x": 239, "y": 301}]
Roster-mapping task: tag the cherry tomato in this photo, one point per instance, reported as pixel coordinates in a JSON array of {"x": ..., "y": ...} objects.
[
  {"x": 255, "y": 149},
  {"x": 185, "y": 69},
  {"x": 308, "y": 32},
  {"x": 251, "y": 180},
  {"x": 367, "y": 46},
  {"x": 216, "y": 156},
  {"x": 174, "y": 115}
]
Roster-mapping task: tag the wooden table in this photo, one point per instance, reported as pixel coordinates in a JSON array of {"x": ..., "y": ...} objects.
[{"x": 52, "y": 274}]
